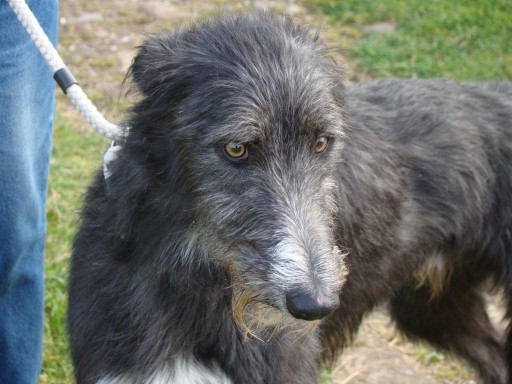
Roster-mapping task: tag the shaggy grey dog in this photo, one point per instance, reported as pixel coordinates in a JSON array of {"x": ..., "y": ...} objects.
[{"x": 251, "y": 180}]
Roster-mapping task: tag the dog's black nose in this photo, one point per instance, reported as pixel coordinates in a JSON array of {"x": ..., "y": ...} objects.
[{"x": 307, "y": 306}]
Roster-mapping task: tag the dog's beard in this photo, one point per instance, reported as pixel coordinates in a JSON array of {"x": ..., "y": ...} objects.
[{"x": 260, "y": 320}]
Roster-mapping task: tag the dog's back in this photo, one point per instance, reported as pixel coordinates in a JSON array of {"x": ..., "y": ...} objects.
[
  {"x": 447, "y": 146},
  {"x": 426, "y": 188}
]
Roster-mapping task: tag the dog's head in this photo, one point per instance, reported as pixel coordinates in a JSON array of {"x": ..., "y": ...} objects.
[{"x": 251, "y": 107}]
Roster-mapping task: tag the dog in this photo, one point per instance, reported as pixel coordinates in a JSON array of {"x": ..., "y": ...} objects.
[{"x": 258, "y": 209}]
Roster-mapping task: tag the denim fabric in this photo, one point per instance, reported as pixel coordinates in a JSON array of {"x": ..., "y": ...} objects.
[{"x": 26, "y": 119}]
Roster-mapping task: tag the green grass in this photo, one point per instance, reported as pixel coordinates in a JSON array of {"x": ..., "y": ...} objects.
[
  {"x": 464, "y": 40},
  {"x": 76, "y": 154}
]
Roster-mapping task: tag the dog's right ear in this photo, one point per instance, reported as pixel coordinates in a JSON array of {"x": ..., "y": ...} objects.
[{"x": 155, "y": 64}]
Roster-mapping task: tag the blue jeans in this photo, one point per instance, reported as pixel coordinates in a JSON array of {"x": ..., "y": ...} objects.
[{"x": 26, "y": 120}]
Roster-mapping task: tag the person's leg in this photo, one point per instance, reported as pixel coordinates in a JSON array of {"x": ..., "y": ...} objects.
[{"x": 26, "y": 119}]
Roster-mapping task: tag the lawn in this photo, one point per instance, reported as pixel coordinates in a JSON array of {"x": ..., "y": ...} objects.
[{"x": 464, "y": 40}]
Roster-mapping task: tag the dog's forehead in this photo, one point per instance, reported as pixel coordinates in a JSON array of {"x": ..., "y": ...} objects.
[
  {"x": 269, "y": 105},
  {"x": 273, "y": 122},
  {"x": 250, "y": 81}
]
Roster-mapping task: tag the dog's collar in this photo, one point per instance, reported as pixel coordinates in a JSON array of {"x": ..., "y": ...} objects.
[{"x": 110, "y": 155}]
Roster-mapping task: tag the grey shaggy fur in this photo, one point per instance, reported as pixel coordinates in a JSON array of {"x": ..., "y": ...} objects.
[{"x": 190, "y": 250}]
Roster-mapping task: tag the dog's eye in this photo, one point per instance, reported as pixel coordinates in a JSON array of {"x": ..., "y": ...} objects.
[
  {"x": 321, "y": 144},
  {"x": 236, "y": 151}
]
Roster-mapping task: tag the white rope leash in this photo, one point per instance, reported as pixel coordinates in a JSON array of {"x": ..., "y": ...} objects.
[{"x": 62, "y": 75}]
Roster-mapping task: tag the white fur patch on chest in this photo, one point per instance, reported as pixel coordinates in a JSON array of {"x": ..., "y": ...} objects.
[{"x": 184, "y": 371}]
